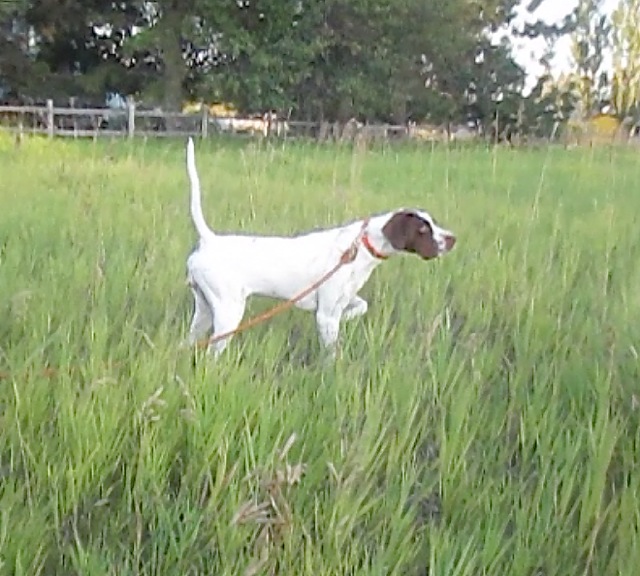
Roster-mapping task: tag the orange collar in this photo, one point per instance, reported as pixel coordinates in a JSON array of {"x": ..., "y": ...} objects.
[{"x": 371, "y": 249}]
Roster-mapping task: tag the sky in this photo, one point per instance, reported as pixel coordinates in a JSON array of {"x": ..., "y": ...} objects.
[{"x": 527, "y": 51}]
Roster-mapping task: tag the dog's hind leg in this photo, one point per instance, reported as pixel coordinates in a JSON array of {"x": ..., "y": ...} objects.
[
  {"x": 202, "y": 321},
  {"x": 227, "y": 315}
]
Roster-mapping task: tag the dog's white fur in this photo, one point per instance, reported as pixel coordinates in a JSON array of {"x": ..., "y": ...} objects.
[{"x": 225, "y": 269}]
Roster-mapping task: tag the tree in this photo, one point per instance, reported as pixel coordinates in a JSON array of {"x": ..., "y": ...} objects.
[
  {"x": 66, "y": 46},
  {"x": 495, "y": 91},
  {"x": 264, "y": 51},
  {"x": 469, "y": 74},
  {"x": 85, "y": 47},
  {"x": 590, "y": 39},
  {"x": 378, "y": 59},
  {"x": 153, "y": 39},
  {"x": 550, "y": 102},
  {"x": 14, "y": 48},
  {"x": 625, "y": 87}
]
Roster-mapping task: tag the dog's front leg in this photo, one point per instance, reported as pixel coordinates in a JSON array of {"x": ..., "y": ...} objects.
[
  {"x": 328, "y": 330},
  {"x": 356, "y": 307}
]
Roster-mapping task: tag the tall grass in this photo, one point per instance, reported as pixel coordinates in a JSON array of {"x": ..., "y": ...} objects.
[{"x": 483, "y": 418}]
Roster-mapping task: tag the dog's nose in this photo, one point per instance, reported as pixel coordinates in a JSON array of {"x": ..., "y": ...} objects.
[{"x": 449, "y": 241}]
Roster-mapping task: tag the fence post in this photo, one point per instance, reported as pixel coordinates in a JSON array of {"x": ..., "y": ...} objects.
[
  {"x": 131, "y": 117},
  {"x": 50, "y": 125},
  {"x": 204, "y": 128},
  {"x": 74, "y": 118}
]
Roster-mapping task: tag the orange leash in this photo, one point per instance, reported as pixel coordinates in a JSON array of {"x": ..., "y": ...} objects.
[{"x": 348, "y": 256}]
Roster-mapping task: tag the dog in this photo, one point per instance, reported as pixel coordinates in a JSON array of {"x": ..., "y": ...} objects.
[{"x": 225, "y": 269}]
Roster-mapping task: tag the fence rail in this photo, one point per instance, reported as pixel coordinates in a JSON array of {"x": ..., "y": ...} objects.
[
  {"x": 56, "y": 121},
  {"x": 131, "y": 121}
]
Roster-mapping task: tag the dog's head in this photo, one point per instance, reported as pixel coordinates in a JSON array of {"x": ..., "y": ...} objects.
[{"x": 416, "y": 232}]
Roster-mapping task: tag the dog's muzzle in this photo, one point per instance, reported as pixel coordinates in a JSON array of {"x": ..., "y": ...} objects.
[{"x": 446, "y": 243}]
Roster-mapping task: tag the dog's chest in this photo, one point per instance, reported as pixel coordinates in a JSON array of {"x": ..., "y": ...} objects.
[
  {"x": 363, "y": 273},
  {"x": 355, "y": 275}
]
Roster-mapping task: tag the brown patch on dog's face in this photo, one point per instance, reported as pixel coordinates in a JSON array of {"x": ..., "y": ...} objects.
[{"x": 408, "y": 232}]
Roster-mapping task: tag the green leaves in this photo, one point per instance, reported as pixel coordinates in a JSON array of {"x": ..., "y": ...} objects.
[
  {"x": 378, "y": 59},
  {"x": 590, "y": 39},
  {"x": 626, "y": 58}
]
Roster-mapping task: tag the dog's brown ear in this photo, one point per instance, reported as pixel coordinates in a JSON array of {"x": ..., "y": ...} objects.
[
  {"x": 408, "y": 232},
  {"x": 401, "y": 229}
]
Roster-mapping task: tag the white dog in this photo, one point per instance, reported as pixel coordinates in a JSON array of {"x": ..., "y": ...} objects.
[{"x": 225, "y": 269}]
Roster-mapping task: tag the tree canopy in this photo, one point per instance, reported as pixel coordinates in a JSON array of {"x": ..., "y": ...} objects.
[
  {"x": 331, "y": 58},
  {"x": 384, "y": 60}
]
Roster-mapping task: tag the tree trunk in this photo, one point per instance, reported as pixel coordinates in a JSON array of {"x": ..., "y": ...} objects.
[
  {"x": 398, "y": 104},
  {"x": 174, "y": 66},
  {"x": 345, "y": 108}
]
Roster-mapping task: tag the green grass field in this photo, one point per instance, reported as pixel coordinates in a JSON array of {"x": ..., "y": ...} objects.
[{"x": 483, "y": 418}]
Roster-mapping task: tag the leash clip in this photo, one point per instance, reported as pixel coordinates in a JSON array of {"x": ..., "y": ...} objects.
[{"x": 349, "y": 255}]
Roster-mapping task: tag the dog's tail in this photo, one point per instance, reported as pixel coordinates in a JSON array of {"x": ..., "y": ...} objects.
[{"x": 196, "y": 206}]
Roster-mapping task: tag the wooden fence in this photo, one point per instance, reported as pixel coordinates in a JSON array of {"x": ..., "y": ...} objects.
[{"x": 134, "y": 121}]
